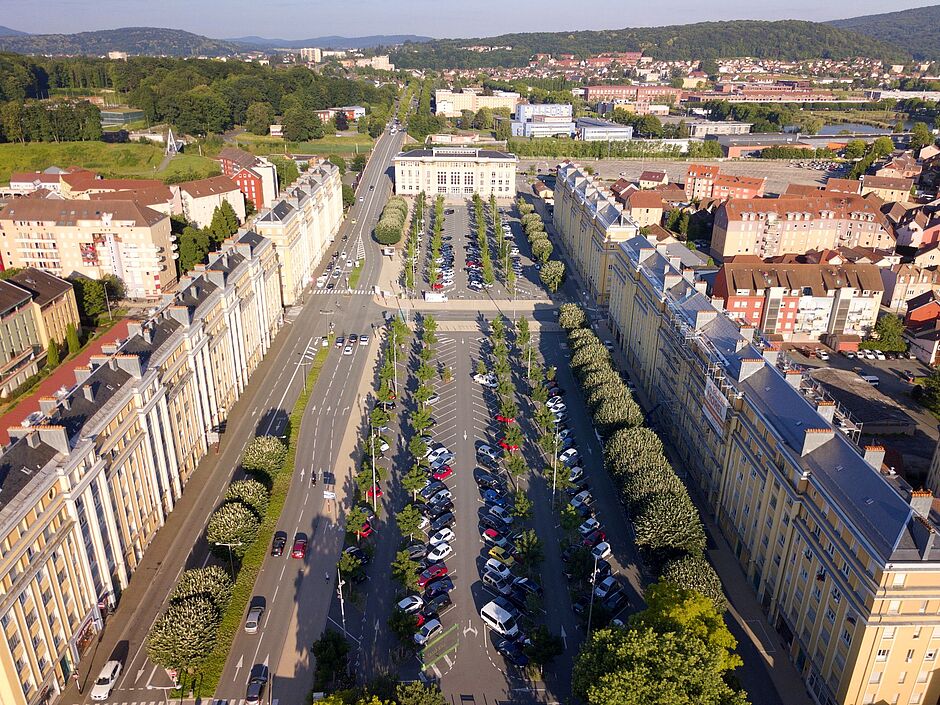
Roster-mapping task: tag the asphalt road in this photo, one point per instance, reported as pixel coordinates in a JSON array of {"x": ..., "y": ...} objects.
[{"x": 263, "y": 409}]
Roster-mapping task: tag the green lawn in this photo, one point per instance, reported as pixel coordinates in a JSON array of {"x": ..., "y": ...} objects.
[
  {"x": 346, "y": 144},
  {"x": 117, "y": 160}
]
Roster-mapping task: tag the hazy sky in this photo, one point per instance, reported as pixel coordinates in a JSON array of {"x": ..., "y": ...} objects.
[{"x": 299, "y": 19}]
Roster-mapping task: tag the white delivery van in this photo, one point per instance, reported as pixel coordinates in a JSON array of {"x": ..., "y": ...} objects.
[
  {"x": 871, "y": 379},
  {"x": 434, "y": 296},
  {"x": 499, "y": 620}
]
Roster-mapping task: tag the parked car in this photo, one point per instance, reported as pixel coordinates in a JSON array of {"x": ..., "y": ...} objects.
[
  {"x": 411, "y": 604},
  {"x": 607, "y": 586},
  {"x": 512, "y": 652},
  {"x": 431, "y": 573},
  {"x": 441, "y": 551},
  {"x": 428, "y": 631},
  {"x": 442, "y": 585},
  {"x": 601, "y": 550},
  {"x": 106, "y": 680},
  {"x": 446, "y": 519},
  {"x": 439, "y": 603},
  {"x": 494, "y": 566},
  {"x": 445, "y": 535},
  {"x": 503, "y": 555}
]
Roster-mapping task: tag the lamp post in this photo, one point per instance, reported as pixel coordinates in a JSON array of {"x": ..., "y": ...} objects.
[
  {"x": 374, "y": 489},
  {"x": 554, "y": 458},
  {"x": 339, "y": 590},
  {"x": 591, "y": 603},
  {"x": 231, "y": 560}
]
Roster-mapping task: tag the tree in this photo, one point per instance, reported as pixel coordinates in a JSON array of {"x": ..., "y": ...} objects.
[
  {"x": 264, "y": 455},
  {"x": 250, "y": 493},
  {"x": 669, "y": 525},
  {"x": 529, "y": 548},
  {"x": 287, "y": 171},
  {"x": 416, "y": 693},
  {"x": 234, "y": 524},
  {"x": 341, "y": 122},
  {"x": 332, "y": 655},
  {"x": 349, "y": 564},
  {"x": 71, "y": 338},
  {"x": 359, "y": 162},
  {"x": 544, "y": 647},
  {"x": 888, "y": 335},
  {"x": 258, "y": 118},
  {"x": 210, "y": 582},
  {"x": 414, "y": 480},
  {"x": 184, "y": 636},
  {"x": 881, "y": 147},
  {"x": 349, "y": 196},
  {"x": 52, "y": 355},
  {"x": 89, "y": 294},
  {"x": 522, "y": 506},
  {"x": 113, "y": 285},
  {"x": 542, "y": 250},
  {"x": 409, "y": 520},
  {"x": 404, "y": 626},
  {"x": 356, "y": 518},
  {"x": 552, "y": 274},
  {"x": 338, "y": 161},
  {"x": 855, "y": 149},
  {"x": 696, "y": 573},
  {"x": 515, "y": 466},
  {"x": 404, "y": 570},
  {"x": 571, "y": 316}
]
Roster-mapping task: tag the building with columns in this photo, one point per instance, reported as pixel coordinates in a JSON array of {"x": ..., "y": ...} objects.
[
  {"x": 302, "y": 224},
  {"x": 89, "y": 477}
]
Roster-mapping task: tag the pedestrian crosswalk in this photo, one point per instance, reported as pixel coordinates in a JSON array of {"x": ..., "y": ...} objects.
[
  {"x": 328, "y": 292},
  {"x": 360, "y": 249},
  {"x": 214, "y": 701}
]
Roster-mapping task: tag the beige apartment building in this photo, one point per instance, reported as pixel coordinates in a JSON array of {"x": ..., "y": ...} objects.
[
  {"x": 302, "y": 223},
  {"x": 53, "y": 304},
  {"x": 92, "y": 238},
  {"x": 450, "y": 103},
  {"x": 456, "y": 172},
  {"x": 199, "y": 199},
  {"x": 768, "y": 227},
  {"x": 591, "y": 224},
  {"x": 87, "y": 483},
  {"x": 841, "y": 552}
]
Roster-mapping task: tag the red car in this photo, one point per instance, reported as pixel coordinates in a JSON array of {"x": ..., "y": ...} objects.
[
  {"x": 374, "y": 490},
  {"x": 437, "y": 286},
  {"x": 300, "y": 546},
  {"x": 432, "y": 572},
  {"x": 505, "y": 419},
  {"x": 443, "y": 472},
  {"x": 594, "y": 538},
  {"x": 366, "y": 530},
  {"x": 508, "y": 446}
]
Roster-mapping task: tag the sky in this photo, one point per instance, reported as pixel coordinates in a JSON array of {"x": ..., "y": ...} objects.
[{"x": 300, "y": 19}]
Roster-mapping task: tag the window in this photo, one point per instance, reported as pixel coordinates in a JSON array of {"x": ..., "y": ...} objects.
[
  {"x": 875, "y": 677},
  {"x": 882, "y": 655},
  {"x": 931, "y": 655},
  {"x": 889, "y": 632},
  {"x": 894, "y": 607},
  {"x": 846, "y": 636},
  {"x": 902, "y": 676},
  {"x": 830, "y": 615},
  {"x": 910, "y": 656},
  {"x": 898, "y": 580}
]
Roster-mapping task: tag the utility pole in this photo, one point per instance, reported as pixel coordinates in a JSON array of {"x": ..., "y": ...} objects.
[
  {"x": 342, "y": 604},
  {"x": 230, "y": 559},
  {"x": 591, "y": 604},
  {"x": 374, "y": 488}
]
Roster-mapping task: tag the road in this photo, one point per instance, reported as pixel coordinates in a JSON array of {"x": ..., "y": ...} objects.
[{"x": 263, "y": 409}]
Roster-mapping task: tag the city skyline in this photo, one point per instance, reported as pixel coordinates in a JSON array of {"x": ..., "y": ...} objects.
[{"x": 368, "y": 17}]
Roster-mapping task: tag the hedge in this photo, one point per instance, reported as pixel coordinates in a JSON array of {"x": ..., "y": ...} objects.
[{"x": 391, "y": 226}]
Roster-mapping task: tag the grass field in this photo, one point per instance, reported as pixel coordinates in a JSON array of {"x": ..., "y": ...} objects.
[
  {"x": 117, "y": 160},
  {"x": 346, "y": 144}
]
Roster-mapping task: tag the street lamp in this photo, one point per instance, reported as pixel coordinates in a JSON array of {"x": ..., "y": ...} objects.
[
  {"x": 230, "y": 559},
  {"x": 554, "y": 458},
  {"x": 374, "y": 489},
  {"x": 591, "y": 603},
  {"x": 339, "y": 590}
]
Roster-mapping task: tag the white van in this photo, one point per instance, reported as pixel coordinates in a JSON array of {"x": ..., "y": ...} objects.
[
  {"x": 499, "y": 620},
  {"x": 871, "y": 379},
  {"x": 434, "y": 296}
]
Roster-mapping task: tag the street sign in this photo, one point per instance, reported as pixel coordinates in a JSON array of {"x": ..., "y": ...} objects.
[{"x": 329, "y": 495}]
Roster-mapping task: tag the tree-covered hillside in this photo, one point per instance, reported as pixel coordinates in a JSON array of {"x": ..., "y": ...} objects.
[
  {"x": 787, "y": 39},
  {"x": 916, "y": 30},
  {"x": 144, "y": 41}
]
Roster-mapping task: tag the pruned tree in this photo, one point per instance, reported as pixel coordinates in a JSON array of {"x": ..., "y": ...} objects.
[
  {"x": 696, "y": 573},
  {"x": 251, "y": 493},
  {"x": 552, "y": 274},
  {"x": 669, "y": 525},
  {"x": 264, "y": 455},
  {"x": 235, "y": 525},
  {"x": 211, "y": 582},
  {"x": 408, "y": 520},
  {"x": 571, "y": 316},
  {"x": 185, "y": 635}
]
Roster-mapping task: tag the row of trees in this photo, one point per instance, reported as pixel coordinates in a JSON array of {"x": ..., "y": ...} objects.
[
  {"x": 881, "y": 147},
  {"x": 437, "y": 240},
  {"x": 410, "y": 269},
  {"x": 184, "y": 636},
  {"x": 391, "y": 226},
  {"x": 422, "y": 121},
  {"x": 564, "y": 147},
  {"x": 668, "y": 529},
  {"x": 61, "y": 121},
  {"x": 486, "y": 258},
  {"x": 552, "y": 272}
]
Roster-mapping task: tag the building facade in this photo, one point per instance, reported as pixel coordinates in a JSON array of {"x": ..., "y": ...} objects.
[
  {"x": 800, "y": 302},
  {"x": 20, "y": 347},
  {"x": 887, "y": 188},
  {"x": 256, "y": 176},
  {"x": 591, "y": 224},
  {"x": 591, "y": 129},
  {"x": 302, "y": 224},
  {"x": 705, "y": 181},
  {"x": 637, "y": 93},
  {"x": 768, "y": 227},
  {"x": 838, "y": 548},
  {"x": 903, "y": 282},
  {"x": 53, "y": 303},
  {"x": 93, "y": 238},
  {"x": 85, "y": 486},
  {"x": 456, "y": 172},
  {"x": 450, "y": 103},
  {"x": 200, "y": 198}
]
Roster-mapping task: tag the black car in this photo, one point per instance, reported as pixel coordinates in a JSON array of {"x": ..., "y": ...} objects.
[
  {"x": 488, "y": 521},
  {"x": 512, "y": 652},
  {"x": 432, "y": 489},
  {"x": 257, "y": 681},
  {"x": 357, "y": 552},
  {"x": 615, "y": 602},
  {"x": 433, "y": 513},
  {"x": 441, "y": 586},
  {"x": 486, "y": 480},
  {"x": 604, "y": 570},
  {"x": 416, "y": 551},
  {"x": 440, "y": 505},
  {"x": 277, "y": 545},
  {"x": 529, "y": 585},
  {"x": 438, "y": 603},
  {"x": 445, "y": 520},
  {"x": 518, "y": 597}
]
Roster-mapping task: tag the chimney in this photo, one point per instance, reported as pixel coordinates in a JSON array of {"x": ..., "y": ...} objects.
[
  {"x": 794, "y": 377},
  {"x": 924, "y": 536},
  {"x": 81, "y": 374},
  {"x": 32, "y": 440},
  {"x": 130, "y": 364},
  {"x": 47, "y": 405},
  {"x": 89, "y": 392},
  {"x": 670, "y": 280},
  {"x": 921, "y": 502},
  {"x": 147, "y": 334},
  {"x": 109, "y": 349},
  {"x": 875, "y": 456},
  {"x": 56, "y": 437},
  {"x": 826, "y": 409},
  {"x": 814, "y": 438},
  {"x": 133, "y": 328},
  {"x": 704, "y": 316},
  {"x": 771, "y": 355},
  {"x": 749, "y": 366}
]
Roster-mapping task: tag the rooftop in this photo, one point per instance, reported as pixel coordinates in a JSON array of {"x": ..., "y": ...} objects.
[
  {"x": 42, "y": 286},
  {"x": 70, "y": 212}
]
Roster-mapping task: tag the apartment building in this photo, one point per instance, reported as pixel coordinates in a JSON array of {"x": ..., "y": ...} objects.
[
  {"x": 800, "y": 302},
  {"x": 632, "y": 92},
  {"x": 93, "y": 238},
  {"x": 456, "y": 171},
  {"x": 53, "y": 304},
  {"x": 840, "y": 551},
  {"x": 92, "y": 475},
  {"x": 20, "y": 349},
  {"x": 887, "y": 188},
  {"x": 590, "y": 223},
  {"x": 704, "y": 181},
  {"x": 903, "y": 282},
  {"x": 451, "y": 103},
  {"x": 256, "y": 176},
  {"x": 768, "y": 227},
  {"x": 302, "y": 224},
  {"x": 199, "y": 199}
]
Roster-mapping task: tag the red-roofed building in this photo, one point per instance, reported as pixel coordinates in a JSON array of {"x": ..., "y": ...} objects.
[{"x": 256, "y": 176}]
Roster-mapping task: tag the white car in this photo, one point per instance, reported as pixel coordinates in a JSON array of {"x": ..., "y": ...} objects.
[
  {"x": 106, "y": 680},
  {"x": 570, "y": 457},
  {"x": 411, "y": 604},
  {"x": 427, "y": 631},
  {"x": 321, "y": 281},
  {"x": 347, "y": 350},
  {"x": 383, "y": 445},
  {"x": 601, "y": 550},
  {"x": 445, "y": 535},
  {"x": 494, "y": 566},
  {"x": 488, "y": 452},
  {"x": 440, "y": 552},
  {"x": 441, "y": 496},
  {"x": 589, "y": 526},
  {"x": 438, "y": 452},
  {"x": 486, "y": 380},
  {"x": 501, "y": 514},
  {"x": 253, "y": 620},
  {"x": 556, "y": 404},
  {"x": 608, "y": 586},
  {"x": 434, "y": 398}
]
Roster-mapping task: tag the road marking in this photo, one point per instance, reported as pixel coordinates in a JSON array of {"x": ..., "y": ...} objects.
[
  {"x": 470, "y": 629},
  {"x": 238, "y": 666}
]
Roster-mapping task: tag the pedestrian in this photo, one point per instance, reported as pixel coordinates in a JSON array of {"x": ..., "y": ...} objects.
[
  {"x": 327, "y": 576},
  {"x": 78, "y": 683}
]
